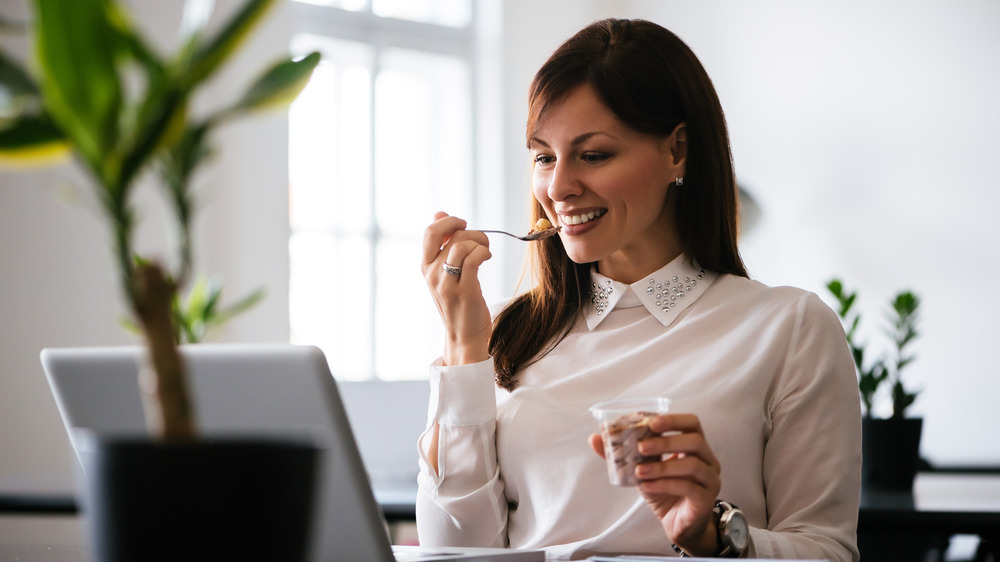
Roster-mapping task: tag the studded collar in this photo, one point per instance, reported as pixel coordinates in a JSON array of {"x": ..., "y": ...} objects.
[{"x": 665, "y": 293}]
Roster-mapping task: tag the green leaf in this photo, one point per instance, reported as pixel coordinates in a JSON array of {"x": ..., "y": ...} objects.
[
  {"x": 844, "y": 299},
  {"x": 902, "y": 340},
  {"x": 854, "y": 328},
  {"x": 901, "y": 400},
  {"x": 859, "y": 355},
  {"x": 76, "y": 47},
  {"x": 140, "y": 261},
  {"x": 14, "y": 79},
  {"x": 159, "y": 115},
  {"x": 239, "y": 307},
  {"x": 279, "y": 85},
  {"x": 136, "y": 44},
  {"x": 905, "y": 304},
  {"x": 867, "y": 384},
  {"x": 194, "y": 304},
  {"x": 194, "y": 22},
  {"x": 200, "y": 313},
  {"x": 130, "y": 325},
  {"x": 835, "y": 287},
  {"x": 200, "y": 62},
  {"x": 31, "y": 141},
  {"x": 183, "y": 156},
  {"x": 162, "y": 115},
  {"x": 208, "y": 313},
  {"x": 881, "y": 373},
  {"x": 848, "y": 302},
  {"x": 903, "y": 361}
]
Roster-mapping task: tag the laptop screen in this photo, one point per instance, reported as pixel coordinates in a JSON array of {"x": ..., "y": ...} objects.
[{"x": 239, "y": 389}]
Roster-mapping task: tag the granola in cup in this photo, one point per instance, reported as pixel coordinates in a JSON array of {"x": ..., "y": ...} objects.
[{"x": 624, "y": 423}]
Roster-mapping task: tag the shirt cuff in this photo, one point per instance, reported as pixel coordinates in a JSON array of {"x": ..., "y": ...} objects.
[{"x": 462, "y": 394}]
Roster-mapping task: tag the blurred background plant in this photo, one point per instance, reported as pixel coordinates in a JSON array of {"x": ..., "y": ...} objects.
[
  {"x": 97, "y": 90},
  {"x": 903, "y": 319},
  {"x": 199, "y": 314}
]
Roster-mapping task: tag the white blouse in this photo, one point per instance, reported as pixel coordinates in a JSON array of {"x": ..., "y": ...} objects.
[{"x": 767, "y": 371}]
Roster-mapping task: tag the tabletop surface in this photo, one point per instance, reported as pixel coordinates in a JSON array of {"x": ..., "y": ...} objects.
[
  {"x": 938, "y": 498},
  {"x": 942, "y": 492}
]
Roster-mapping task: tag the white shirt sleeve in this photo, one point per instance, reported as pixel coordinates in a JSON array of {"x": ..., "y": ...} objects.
[
  {"x": 463, "y": 502},
  {"x": 813, "y": 454}
]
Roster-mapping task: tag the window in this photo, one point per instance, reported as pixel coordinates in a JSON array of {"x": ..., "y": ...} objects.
[{"x": 382, "y": 137}]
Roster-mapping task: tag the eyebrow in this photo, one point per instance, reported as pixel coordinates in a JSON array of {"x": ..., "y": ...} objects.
[{"x": 576, "y": 140}]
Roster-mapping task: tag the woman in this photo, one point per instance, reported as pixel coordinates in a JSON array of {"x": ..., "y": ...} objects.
[{"x": 642, "y": 293}]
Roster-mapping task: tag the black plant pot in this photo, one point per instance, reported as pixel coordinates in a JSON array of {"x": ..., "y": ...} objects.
[
  {"x": 234, "y": 499},
  {"x": 890, "y": 453}
]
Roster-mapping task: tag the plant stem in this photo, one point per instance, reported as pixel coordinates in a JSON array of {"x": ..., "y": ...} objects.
[
  {"x": 150, "y": 294},
  {"x": 165, "y": 389}
]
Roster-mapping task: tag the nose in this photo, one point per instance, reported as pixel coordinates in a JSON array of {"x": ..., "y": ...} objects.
[{"x": 564, "y": 182}]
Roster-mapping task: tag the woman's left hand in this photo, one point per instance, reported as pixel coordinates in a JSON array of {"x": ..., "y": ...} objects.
[{"x": 682, "y": 487}]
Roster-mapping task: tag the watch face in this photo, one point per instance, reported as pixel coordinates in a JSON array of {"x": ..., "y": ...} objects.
[{"x": 739, "y": 531}]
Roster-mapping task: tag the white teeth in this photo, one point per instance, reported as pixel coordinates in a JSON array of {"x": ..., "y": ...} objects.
[{"x": 580, "y": 219}]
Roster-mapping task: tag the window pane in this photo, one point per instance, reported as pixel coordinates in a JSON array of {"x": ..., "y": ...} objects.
[
  {"x": 330, "y": 191},
  {"x": 380, "y": 139},
  {"x": 330, "y": 140},
  {"x": 352, "y": 5},
  {"x": 423, "y": 146},
  {"x": 423, "y": 158},
  {"x": 409, "y": 332},
  {"x": 453, "y": 13},
  {"x": 330, "y": 296}
]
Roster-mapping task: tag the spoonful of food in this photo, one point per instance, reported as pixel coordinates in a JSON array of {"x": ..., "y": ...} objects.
[{"x": 543, "y": 229}]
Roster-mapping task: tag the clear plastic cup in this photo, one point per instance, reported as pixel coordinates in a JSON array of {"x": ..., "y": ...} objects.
[{"x": 624, "y": 423}]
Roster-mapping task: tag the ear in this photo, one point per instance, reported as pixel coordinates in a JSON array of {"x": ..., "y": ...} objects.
[{"x": 677, "y": 145}]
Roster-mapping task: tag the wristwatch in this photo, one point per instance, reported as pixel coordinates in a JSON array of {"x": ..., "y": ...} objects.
[{"x": 734, "y": 533}]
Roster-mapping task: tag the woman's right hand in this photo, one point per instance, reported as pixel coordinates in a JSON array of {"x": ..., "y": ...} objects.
[{"x": 459, "y": 298}]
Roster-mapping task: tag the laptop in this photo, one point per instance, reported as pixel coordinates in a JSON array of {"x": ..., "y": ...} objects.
[{"x": 253, "y": 389}]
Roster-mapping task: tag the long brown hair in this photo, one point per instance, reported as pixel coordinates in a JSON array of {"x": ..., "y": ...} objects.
[{"x": 652, "y": 82}]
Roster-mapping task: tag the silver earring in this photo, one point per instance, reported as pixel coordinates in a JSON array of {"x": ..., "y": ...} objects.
[{"x": 679, "y": 181}]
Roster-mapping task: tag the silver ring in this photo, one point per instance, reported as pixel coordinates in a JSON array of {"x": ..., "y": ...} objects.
[{"x": 452, "y": 270}]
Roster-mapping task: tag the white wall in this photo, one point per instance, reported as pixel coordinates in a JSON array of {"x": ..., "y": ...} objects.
[{"x": 864, "y": 130}]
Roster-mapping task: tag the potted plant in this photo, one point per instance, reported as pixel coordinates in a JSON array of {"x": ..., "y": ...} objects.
[
  {"x": 99, "y": 91},
  {"x": 890, "y": 446}
]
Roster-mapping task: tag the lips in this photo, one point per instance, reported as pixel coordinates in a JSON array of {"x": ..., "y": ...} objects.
[{"x": 581, "y": 218}]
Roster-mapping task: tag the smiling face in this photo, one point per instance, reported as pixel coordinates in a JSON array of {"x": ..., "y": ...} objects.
[{"x": 608, "y": 185}]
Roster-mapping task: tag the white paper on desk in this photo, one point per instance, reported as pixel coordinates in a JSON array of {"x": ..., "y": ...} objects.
[{"x": 634, "y": 558}]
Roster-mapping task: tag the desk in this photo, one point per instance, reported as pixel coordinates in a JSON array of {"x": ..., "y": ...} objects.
[
  {"x": 38, "y": 504},
  {"x": 943, "y": 504},
  {"x": 398, "y": 501}
]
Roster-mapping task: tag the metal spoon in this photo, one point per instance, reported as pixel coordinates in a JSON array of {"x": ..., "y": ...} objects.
[{"x": 536, "y": 235}]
